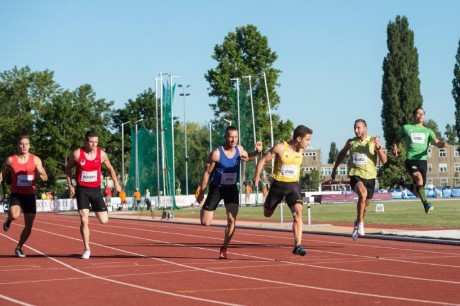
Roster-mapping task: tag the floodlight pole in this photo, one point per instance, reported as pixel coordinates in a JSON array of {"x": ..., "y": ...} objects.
[
  {"x": 158, "y": 144},
  {"x": 238, "y": 106},
  {"x": 162, "y": 139},
  {"x": 184, "y": 95},
  {"x": 252, "y": 110},
  {"x": 253, "y": 129},
  {"x": 137, "y": 154},
  {"x": 238, "y": 119},
  {"x": 173, "y": 168}
]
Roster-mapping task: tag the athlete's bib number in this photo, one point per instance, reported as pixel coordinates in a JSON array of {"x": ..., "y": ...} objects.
[
  {"x": 359, "y": 159},
  {"x": 417, "y": 138},
  {"x": 89, "y": 176},
  {"x": 25, "y": 180},
  {"x": 289, "y": 171},
  {"x": 228, "y": 179}
]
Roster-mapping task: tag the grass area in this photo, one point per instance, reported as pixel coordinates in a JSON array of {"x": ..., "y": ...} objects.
[{"x": 446, "y": 213}]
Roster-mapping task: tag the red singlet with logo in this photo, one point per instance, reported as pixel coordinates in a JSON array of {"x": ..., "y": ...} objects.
[
  {"x": 23, "y": 175},
  {"x": 88, "y": 172}
]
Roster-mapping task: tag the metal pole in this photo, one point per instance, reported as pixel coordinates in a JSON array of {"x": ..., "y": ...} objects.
[
  {"x": 137, "y": 155},
  {"x": 210, "y": 137},
  {"x": 184, "y": 95},
  {"x": 253, "y": 129},
  {"x": 173, "y": 167},
  {"x": 123, "y": 154},
  {"x": 238, "y": 119},
  {"x": 162, "y": 140},
  {"x": 270, "y": 116},
  {"x": 158, "y": 144}
]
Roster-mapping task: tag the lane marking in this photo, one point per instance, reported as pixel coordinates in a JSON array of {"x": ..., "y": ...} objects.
[{"x": 245, "y": 277}]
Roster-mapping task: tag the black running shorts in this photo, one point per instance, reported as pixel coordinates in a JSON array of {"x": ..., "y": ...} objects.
[
  {"x": 369, "y": 184},
  {"x": 27, "y": 202},
  {"x": 413, "y": 166},
  {"x": 279, "y": 190},
  {"x": 87, "y": 195},
  {"x": 230, "y": 195}
]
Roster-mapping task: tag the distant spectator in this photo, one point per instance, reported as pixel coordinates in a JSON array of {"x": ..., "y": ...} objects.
[
  {"x": 148, "y": 203},
  {"x": 248, "y": 190},
  {"x": 108, "y": 195},
  {"x": 264, "y": 192},
  {"x": 122, "y": 195},
  {"x": 137, "y": 198}
]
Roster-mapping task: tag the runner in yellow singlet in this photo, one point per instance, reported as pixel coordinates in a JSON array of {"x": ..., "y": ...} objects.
[
  {"x": 285, "y": 183},
  {"x": 363, "y": 159}
]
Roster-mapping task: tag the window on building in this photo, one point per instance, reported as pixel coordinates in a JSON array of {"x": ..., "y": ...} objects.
[
  {"x": 456, "y": 167},
  {"x": 430, "y": 168},
  {"x": 442, "y": 167},
  {"x": 443, "y": 182},
  {"x": 442, "y": 152},
  {"x": 456, "y": 152},
  {"x": 342, "y": 170},
  {"x": 429, "y": 152},
  {"x": 326, "y": 171}
]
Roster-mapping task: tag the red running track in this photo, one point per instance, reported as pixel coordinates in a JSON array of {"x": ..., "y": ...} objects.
[{"x": 157, "y": 263}]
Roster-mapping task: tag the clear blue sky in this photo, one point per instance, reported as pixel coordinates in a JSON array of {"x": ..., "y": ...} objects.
[{"x": 330, "y": 52}]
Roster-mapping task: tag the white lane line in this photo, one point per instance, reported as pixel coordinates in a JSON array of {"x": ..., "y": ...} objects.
[
  {"x": 7, "y": 298},
  {"x": 115, "y": 281},
  {"x": 249, "y": 277}
]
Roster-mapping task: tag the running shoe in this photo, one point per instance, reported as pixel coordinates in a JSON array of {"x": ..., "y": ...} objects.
[
  {"x": 86, "y": 254},
  {"x": 361, "y": 229},
  {"x": 399, "y": 182},
  {"x": 299, "y": 250},
  {"x": 19, "y": 253},
  {"x": 354, "y": 235},
  {"x": 6, "y": 225},
  {"x": 223, "y": 253},
  {"x": 428, "y": 207}
]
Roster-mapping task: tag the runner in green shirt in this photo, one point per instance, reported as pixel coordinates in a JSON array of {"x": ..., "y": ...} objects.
[{"x": 417, "y": 139}]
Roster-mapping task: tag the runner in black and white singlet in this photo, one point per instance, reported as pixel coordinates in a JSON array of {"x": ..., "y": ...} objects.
[{"x": 222, "y": 169}]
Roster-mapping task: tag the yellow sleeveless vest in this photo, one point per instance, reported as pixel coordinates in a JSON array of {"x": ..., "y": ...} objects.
[
  {"x": 363, "y": 158},
  {"x": 287, "y": 168}
]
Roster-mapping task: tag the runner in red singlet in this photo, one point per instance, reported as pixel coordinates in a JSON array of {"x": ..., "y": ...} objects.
[
  {"x": 88, "y": 161},
  {"x": 24, "y": 166}
]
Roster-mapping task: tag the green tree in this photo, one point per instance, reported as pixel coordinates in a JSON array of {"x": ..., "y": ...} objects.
[
  {"x": 310, "y": 181},
  {"x": 451, "y": 135},
  {"x": 401, "y": 83},
  {"x": 142, "y": 108},
  {"x": 23, "y": 95},
  {"x": 244, "y": 53},
  {"x": 244, "y": 58},
  {"x": 400, "y": 90},
  {"x": 62, "y": 124},
  {"x": 456, "y": 92},
  {"x": 431, "y": 124},
  {"x": 333, "y": 153}
]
